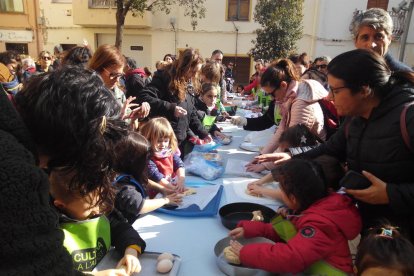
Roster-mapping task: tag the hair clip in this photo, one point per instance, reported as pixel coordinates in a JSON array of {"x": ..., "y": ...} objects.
[
  {"x": 103, "y": 125},
  {"x": 386, "y": 233}
]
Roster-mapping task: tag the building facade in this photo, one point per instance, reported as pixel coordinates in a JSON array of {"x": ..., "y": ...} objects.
[
  {"x": 228, "y": 26},
  {"x": 18, "y": 27}
]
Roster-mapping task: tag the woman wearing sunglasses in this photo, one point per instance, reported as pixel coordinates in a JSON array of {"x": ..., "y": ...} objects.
[
  {"x": 44, "y": 62},
  {"x": 109, "y": 63}
]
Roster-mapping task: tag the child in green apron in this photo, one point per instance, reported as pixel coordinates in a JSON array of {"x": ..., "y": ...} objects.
[
  {"x": 207, "y": 111},
  {"x": 89, "y": 234},
  {"x": 314, "y": 239}
]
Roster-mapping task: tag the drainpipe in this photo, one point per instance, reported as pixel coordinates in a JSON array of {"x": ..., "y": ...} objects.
[
  {"x": 237, "y": 40},
  {"x": 37, "y": 29},
  {"x": 406, "y": 28}
]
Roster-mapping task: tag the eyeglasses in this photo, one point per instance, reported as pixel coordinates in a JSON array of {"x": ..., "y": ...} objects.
[
  {"x": 230, "y": 64},
  {"x": 322, "y": 66},
  {"x": 113, "y": 76},
  {"x": 334, "y": 91},
  {"x": 46, "y": 58}
]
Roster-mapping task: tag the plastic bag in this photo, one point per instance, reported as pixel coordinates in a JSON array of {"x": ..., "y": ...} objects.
[
  {"x": 207, "y": 165},
  {"x": 206, "y": 147}
]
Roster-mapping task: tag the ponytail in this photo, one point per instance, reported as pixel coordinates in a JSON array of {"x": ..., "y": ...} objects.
[{"x": 278, "y": 71}]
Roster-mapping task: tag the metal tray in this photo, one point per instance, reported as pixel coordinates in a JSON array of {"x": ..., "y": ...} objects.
[
  {"x": 148, "y": 262},
  {"x": 238, "y": 270}
]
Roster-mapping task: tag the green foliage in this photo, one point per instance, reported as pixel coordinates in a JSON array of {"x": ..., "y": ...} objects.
[
  {"x": 193, "y": 8},
  {"x": 281, "y": 22}
]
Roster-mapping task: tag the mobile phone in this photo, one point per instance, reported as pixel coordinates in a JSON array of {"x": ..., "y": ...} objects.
[{"x": 355, "y": 181}]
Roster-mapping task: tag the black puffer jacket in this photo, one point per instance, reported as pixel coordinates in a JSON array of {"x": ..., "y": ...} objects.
[
  {"x": 30, "y": 241},
  {"x": 376, "y": 145},
  {"x": 163, "y": 104}
]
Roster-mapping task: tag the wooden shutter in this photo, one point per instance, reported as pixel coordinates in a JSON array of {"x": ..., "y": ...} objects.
[{"x": 383, "y": 4}]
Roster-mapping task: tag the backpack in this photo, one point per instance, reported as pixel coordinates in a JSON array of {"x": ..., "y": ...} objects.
[{"x": 330, "y": 117}]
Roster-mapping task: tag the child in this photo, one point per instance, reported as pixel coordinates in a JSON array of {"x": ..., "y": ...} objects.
[
  {"x": 385, "y": 252},
  {"x": 165, "y": 166},
  {"x": 88, "y": 232},
  {"x": 295, "y": 136},
  {"x": 132, "y": 154},
  {"x": 207, "y": 111},
  {"x": 315, "y": 239}
]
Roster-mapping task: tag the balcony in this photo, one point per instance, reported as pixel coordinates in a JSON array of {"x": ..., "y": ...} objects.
[{"x": 101, "y": 13}]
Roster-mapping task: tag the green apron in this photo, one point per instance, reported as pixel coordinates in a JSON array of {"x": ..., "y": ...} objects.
[
  {"x": 87, "y": 241},
  {"x": 286, "y": 230},
  {"x": 276, "y": 115},
  {"x": 208, "y": 122}
]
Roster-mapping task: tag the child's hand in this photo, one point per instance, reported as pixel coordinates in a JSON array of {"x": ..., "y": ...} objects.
[
  {"x": 283, "y": 211},
  {"x": 174, "y": 198},
  {"x": 256, "y": 190},
  {"x": 180, "y": 187},
  {"x": 236, "y": 247},
  {"x": 255, "y": 167},
  {"x": 237, "y": 233},
  {"x": 130, "y": 261},
  {"x": 110, "y": 272},
  {"x": 255, "y": 183}
]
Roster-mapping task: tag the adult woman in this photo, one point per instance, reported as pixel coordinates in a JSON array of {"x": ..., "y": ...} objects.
[
  {"x": 168, "y": 58},
  {"x": 297, "y": 101},
  {"x": 60, "y": 124},
  {"x": 168, "y": 97},
  {"x": 44, "y": 62},
  {"x": 364, "y": 88},
  {"x": 109, "y": 63},
  {"x": 372, "y": 29},
  {"x": 255, "y": 78}
]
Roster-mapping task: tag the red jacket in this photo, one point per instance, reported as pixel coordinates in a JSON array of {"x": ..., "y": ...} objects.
[{"x": 323, "y": 231}]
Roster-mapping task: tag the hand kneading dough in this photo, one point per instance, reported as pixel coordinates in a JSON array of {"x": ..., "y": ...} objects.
[
  {"x": 257, "y": 216},
  {"x": 230, "y": 256},
  {"x": 189, "y": 191},
  {"x": 164, "y": 266},
  {"x": 165, "y": 255},
  {"x": 252, "y": 194}
]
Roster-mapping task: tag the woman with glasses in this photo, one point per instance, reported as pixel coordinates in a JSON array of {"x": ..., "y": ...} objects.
[
  {"x": 374, "y": 140},
  {"x": 109, "y": 63},
  {"x": 44, "y": 62},
  {"x": 295, "y": 100}
]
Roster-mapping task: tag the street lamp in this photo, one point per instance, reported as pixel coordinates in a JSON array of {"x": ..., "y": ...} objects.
[{"x": 402, "y": 6}]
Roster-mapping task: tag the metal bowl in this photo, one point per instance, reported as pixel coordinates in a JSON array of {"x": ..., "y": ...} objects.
[
  {"x": 232, "y": 213},
  {"x": 237, "y": 270}
]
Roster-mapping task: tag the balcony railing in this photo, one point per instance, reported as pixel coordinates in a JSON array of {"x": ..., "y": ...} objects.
[{"x": 101, "y": 4}]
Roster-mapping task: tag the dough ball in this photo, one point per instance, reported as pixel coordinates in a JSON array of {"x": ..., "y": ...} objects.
[
  {"x": 165, "y": 255},
  {"x": 230, "y": 256},
  {"x": 257, "y": 216},
  {"x": 164, "y": 266}
]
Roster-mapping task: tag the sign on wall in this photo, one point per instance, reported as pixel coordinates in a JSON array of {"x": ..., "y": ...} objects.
[{"x": 16, "y": 36}]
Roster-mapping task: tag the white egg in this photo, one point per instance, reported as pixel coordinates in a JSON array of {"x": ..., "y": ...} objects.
[
  {"x": 165, "y": 255},
  {"x": 164, "y": 266}
]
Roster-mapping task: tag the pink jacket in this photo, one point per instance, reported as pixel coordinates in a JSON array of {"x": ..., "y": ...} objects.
[
  {"x": 323, "y": 231},
  {"x": 303, "y": 109}
]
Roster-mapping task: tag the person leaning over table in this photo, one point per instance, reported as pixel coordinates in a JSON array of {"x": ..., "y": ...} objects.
[
  {"x": 372, "y": 29},
  {"x": 297, "y": 101},
  {"x": 372, "y": 97},
  {"x": 58, "y": 124}
]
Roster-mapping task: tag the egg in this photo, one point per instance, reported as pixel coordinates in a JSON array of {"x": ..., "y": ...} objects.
[
  {"x": 164, "y": 266},
  {"x": 165, "y": 255}
]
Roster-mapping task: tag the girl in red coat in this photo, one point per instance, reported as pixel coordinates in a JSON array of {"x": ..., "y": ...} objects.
[{"x": 313, "y": 240}]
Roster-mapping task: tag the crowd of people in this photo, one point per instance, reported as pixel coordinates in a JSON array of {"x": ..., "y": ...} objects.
[{"x": 88, "y": 140}]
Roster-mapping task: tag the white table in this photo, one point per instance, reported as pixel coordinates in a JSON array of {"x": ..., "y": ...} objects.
[{"x": 193, "y": 239}]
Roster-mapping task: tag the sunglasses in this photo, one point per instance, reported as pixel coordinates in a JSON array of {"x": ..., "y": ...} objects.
[
  {"x": 322, "y": 66},
  {"x": 113, "y": 76},
  {"x": 46, "y": 58}
]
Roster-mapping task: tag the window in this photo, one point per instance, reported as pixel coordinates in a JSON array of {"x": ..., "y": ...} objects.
[
  {"x": 62, "y": 1},
  {"x": 383, "y": 4},
  {"x": 238, "y": 10},
  {"x": 99, "y": 4},
  {"x": 11, "y": 6},
  {"x": 20, "y": 48}
]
